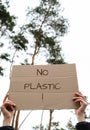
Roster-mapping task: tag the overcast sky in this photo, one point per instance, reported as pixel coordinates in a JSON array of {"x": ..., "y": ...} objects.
[{"x": 75, "y": 44}]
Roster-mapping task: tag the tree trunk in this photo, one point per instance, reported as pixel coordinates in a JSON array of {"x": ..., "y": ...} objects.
[{"x": 50, "y": 120}]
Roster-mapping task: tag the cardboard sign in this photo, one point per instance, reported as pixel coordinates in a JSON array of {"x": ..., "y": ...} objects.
[{"x": 43, "y": 86}]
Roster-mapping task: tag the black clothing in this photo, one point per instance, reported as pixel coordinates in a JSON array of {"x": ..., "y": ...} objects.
[
  {"x": 80, "y": 126},
  {"x": 6, "y": 128},
  {"x": 83, "y": 126}
]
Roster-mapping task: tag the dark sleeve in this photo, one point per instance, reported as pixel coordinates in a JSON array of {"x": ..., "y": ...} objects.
[
  {"x": 6, "y": 128},
  {"x": 83, "y": 126}
]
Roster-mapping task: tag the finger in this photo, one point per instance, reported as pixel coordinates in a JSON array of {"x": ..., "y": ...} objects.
[
  {"x": 79, "y": 94},
  {"x": 6, "y": 97},
  {"x": 9, "y": 103},
  {"x": 81, "y": 100},
  {"x": 8, "y": 106}
]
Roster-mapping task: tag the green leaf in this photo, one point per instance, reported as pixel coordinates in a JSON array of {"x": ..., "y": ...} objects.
[{"x": 5, "y": 56}]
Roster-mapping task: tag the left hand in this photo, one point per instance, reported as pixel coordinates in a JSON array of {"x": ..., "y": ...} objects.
[{"x": 8, "y": 109}]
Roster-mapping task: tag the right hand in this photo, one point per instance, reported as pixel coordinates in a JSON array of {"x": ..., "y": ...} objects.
[{"x": 79, "y": 98}]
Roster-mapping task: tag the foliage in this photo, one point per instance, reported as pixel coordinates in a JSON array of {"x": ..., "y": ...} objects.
[
  {"x": 55, "y": 126},
  {"x": 19, "y": 41},
  {"x": 10, "y": 37},
  {"x": 44, "y": 27},
  {"x": 7, "y": 21},
  {"x": 43, "y": 30}
]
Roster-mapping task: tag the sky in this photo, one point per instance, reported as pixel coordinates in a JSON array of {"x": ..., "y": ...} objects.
[{"x": 75, "y": 44}]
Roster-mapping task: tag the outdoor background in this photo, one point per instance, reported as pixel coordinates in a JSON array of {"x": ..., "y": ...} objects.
[{"x": 75, "y": 48}]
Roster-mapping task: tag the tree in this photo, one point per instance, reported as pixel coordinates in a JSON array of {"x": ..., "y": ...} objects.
[
  {"x": 10, "y": 38},
  {"x": 7, "y": 21},
  {"x": 46, "y": 26},
  {"x": 55, "y": 126},
  {"x": 39, "y": 36},
  {"x": 70, "y": 125},
  {"x": 7, "y": 24}
]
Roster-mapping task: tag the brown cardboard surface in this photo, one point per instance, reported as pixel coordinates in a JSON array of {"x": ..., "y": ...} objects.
[
  {"x": 59, "y": 70},
  {"x": 59, "y": 100},
  {"x": 60, "y": 84},
  {"x": 27, "y": 100},
  {"x": 43, "y": 86},
  {"x": 43, "y": 100}
]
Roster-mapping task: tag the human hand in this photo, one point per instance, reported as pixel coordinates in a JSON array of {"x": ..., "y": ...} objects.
[
  {"x": 8, "y": 109},
  {"x": 79, "y": 98}
]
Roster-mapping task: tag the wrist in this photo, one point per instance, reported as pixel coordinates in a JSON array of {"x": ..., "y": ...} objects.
[
  {"x": 81, "y": 118},
  {"x": 6, "y": 122}
]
